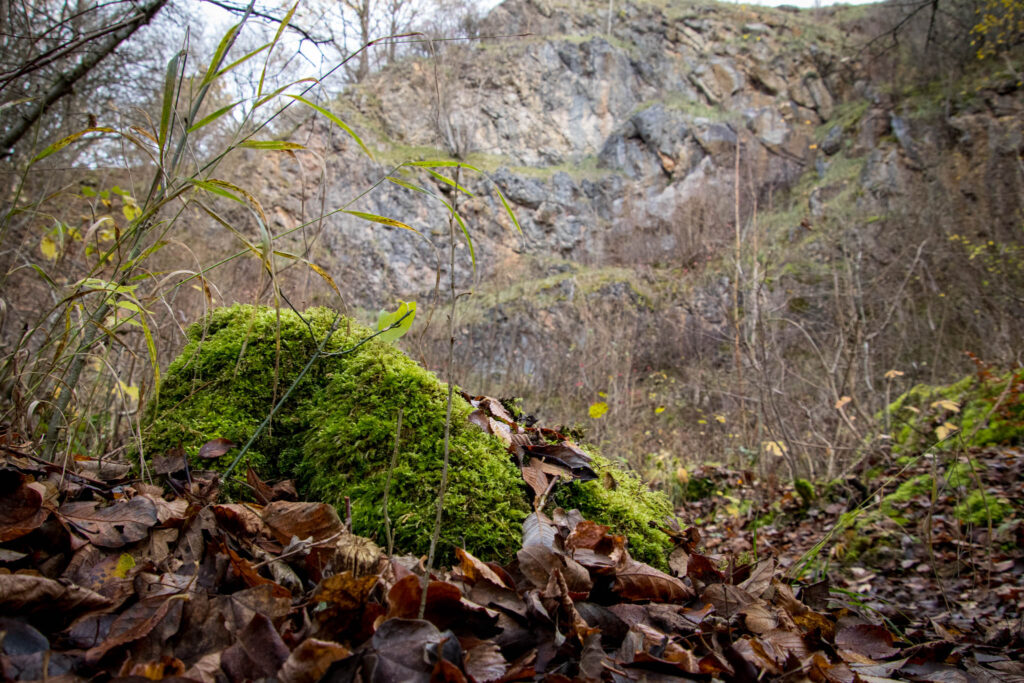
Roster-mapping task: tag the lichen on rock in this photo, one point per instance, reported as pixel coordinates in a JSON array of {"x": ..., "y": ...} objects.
[{"x": 336, "y": 432}]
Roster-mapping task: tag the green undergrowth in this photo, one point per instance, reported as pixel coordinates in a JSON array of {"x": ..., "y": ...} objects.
[
  {"x": 983, "y": 409},
  {"x": 336, "y": 433}
]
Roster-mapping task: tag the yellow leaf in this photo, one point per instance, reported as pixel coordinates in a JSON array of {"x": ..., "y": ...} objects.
[
  {"x": 49, "y": 248},
  {"x": 130, "y": 209},
  {"x": 945, "y": 429},
  {"x": 682, "y": 476},
  {"x": 702, "y": 421},
  {"x": 842, "y": 402},
  {"x": 893, "y": 374},
  {"x": 124, "y": 563},
  {"x": 732, "y": 510},
  {"x": 659, "y": 410},
  {"x": 598, "y": 409},
  {"x": 129, "y": 391},
  {"x": 946, "y": 404},
  {"x": 602, "y": 394},
  {"x": 720, "y": 418},
  {"x": 776, "y": 448}
]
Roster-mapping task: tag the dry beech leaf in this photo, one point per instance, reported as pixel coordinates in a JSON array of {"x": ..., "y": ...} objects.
[
  {"x": 474, "y": 570},
  {"x": 759, "y": 618},
  {"x": 869, "y": 640},
  {"x": 301, "y": 520},
  {"x": 26, "y": 594},
  {"x": 587, "y": 535},
  {"x": 760, "y": 578},
  {"x": 137, "y": 622},
  {"x": 238, "y": 519},
  {"x": 258, "y": 653},
  {"x": 345, "y": 592},
  {"x": 310, "y": 660},
  {"x": 484, "y": 662},
  {"x": 727, "y": 599},
  {"x": 216, "y": 448},
  {"x": 21, "y": 505},
  {"x": 123, "y": 522},
  {"x": 536, "y": 479},
  {"x": 538, "y": 529},
  {"x": 638, "y": 581}
]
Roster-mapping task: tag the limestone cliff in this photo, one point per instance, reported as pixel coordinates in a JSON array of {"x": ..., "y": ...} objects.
[{"x": 704, "y": 190}]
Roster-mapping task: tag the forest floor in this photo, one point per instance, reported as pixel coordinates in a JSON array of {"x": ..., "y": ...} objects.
[{"x": 102, "y": 576}]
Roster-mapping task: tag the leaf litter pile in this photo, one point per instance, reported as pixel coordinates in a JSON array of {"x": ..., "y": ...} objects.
[{"x": 104, "y": 577}]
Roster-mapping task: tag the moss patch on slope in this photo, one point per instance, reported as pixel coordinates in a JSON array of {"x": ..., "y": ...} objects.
[{"x": 979, "y": 410}]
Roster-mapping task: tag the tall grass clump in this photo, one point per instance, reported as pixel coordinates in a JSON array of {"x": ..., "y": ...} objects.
[{"x": 99, "y": 278}]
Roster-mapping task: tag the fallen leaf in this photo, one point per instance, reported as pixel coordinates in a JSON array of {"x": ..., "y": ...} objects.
[
  {"x": 484, "y": 662},
  {"x": 869, "y": 640},
  {"x": 113, "y": 526},
  {"x": 638, "y": 581},
  {"x": 302, "y": 520},
  {"x": 258, "y": 653},
  {"x": 216, "y": 448},
  {"x": 727, "y": 599},
  {"x": 21, "y": 505},
  {"x": 310, "y": 660}
]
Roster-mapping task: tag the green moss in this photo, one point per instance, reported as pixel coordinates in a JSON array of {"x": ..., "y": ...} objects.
[
  {"x": 959, "y": 474},
  {"x": 978, "y": 509},
  {"x": 335, "y": 435},
  {"x": 982, "y": 411},
  {"x": 891, "y": 505},
  {"x": 620, "y": 500},
  {"x": 805, "y": 490}
]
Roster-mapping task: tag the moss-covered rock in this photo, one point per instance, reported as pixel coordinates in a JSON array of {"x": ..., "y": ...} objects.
[{"x": 335, "y": 434}]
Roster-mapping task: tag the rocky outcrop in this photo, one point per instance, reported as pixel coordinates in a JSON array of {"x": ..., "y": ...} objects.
[
  {"x": 619, "y": 143},
  {"x": 597, "y": 136}
]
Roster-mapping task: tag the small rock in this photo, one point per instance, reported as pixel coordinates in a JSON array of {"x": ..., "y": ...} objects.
[{"x": 833, "y": 140}]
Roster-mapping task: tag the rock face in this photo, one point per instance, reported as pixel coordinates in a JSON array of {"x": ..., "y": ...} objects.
[{"x": 596, "y": 136}]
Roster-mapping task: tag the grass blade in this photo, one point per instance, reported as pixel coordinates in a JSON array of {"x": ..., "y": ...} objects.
[
  {"x": 170, "y": 79},
  {"x": 280, "y": 145},
  {"x": 215, "y": 189},
  {"x": 449, "y": 181},
  {"x": 64, "y": 142},
  {"x": 335, "y": 120},
  {"x": 218, "y": 56},
  {"x": 212, "y": 117},
  {"x": 314, "y": 267},
  {"x": 242, "y": 60},
  {"x": 374, "y": 218},
  {"x": 277, "y": 36}
]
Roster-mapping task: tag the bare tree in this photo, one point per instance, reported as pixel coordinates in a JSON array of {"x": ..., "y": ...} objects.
[{"x": 48, "y": 48}]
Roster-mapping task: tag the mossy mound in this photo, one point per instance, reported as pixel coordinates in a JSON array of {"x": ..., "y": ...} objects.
[
  {"x": 978, "y": 410},
  {"x": 336, "y": 433},
  {"x": 618, "y": 499}
]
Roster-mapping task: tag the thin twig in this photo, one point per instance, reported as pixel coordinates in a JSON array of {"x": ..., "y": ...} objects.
[
  {"x": 448, "y": 412},
  {"x": 387, "y": 484}
]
